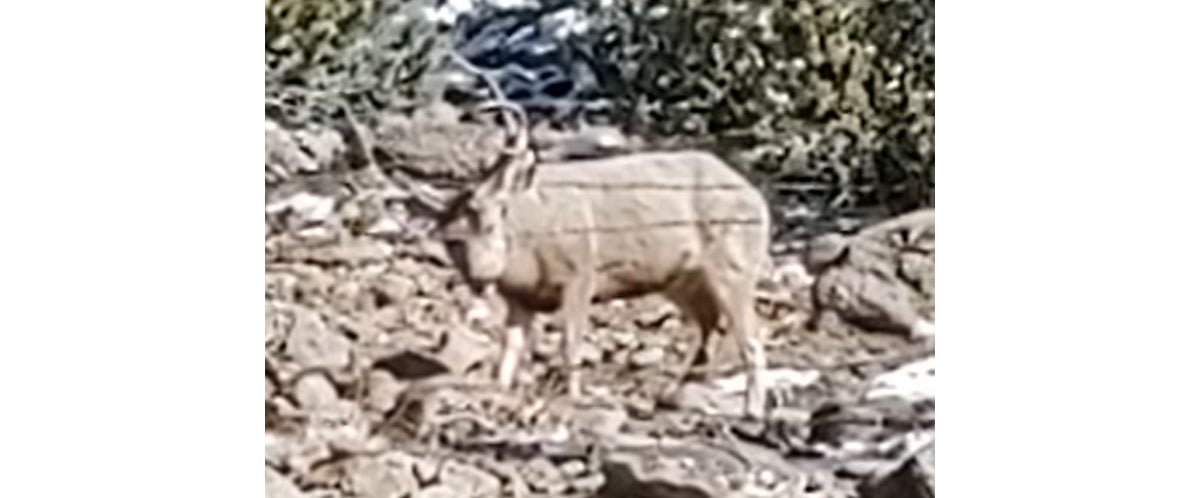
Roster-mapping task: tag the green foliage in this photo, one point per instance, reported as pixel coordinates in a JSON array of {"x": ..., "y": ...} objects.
[
  {"x": 368, "y": 54},
  {"x": 836, "y": 91}
]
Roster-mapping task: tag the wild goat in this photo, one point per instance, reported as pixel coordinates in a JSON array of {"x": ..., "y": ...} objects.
[{"x": 550, "y": 237}]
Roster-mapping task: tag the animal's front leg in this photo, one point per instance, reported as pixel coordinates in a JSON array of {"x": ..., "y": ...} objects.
[
  {"x": 576, "y": 302},
  {"x": 516, "y": 326}
]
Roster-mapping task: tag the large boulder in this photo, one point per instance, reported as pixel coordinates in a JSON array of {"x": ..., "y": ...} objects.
[{"x": 880, "y": 279}]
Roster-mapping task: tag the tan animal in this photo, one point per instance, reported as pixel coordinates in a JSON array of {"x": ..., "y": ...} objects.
[{"x": 550, "y": 237}]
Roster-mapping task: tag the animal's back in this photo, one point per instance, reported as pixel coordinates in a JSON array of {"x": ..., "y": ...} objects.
[
  {"x": 658, "y": 188},
  {"x": 651, "y": 217}
]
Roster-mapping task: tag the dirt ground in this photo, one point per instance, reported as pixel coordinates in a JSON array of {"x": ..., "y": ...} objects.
[{"x": 376, "y": 386}]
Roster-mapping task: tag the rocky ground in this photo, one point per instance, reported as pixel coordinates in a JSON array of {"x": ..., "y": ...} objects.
[{"x": 376, "y": 386}]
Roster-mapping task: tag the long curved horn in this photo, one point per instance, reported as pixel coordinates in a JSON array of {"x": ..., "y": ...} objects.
[
  {"x": 516, "y": 121},
  {"x": 357, "y": 140},
  {"x": 517, "y": 129},
  {"x": 491, "y": 83}
]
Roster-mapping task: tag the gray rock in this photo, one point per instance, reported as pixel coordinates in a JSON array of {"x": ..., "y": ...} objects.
[
  {"x": 627, "y": 474},
  {"x": 314, "y": 390},
  {"x": 440, "y": 491},
  {"x": 313, "y": 346},
  {"x": 654, "y": 318},
  {"x": 371, "y": 478},
  {"x": 706, "y": 399},
  {"x": 573, "y": 468},
  {"x": 279, "y": 486},
  {"x": 382, "y": 390},
  {"x": 912, "y": 478},
  {"x": 276, "y": 450},
  {"x": 599, "y": 421},
  {"x": 426, "y": 470},
  {"x": 469, "y": 480},
  {"x": 621, "y": 337},
  {"x": 302, "y": 456},
  {"x": 412, "y": 365},
  {"x": 283, "y": 154},
  {"x": 880, "y": 279},
  {"x": 864, "y": 428},
  {"x": 590, "y": 354},
  {"x": 912, "y": 382},
  {"x": 647, "y": 357},
  {"x": 589, "y": 483},
  {"x": 543, "y": 477},
  {"x": 726, "y": 396},
  {"x": 464, "y": 349}
]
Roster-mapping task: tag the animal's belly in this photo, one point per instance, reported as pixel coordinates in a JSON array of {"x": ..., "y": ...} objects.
[
  {"x": 540, "y": 298},
  {"x": 625, "y": 278}
]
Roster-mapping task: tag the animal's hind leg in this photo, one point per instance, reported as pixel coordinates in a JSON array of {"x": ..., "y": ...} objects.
[
  {"x": 697, "y": 304},
  {"x": 736, "y": 296}
]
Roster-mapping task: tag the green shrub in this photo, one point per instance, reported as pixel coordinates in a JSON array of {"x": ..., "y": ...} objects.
[
  {"x": 369, "y": 54},
  {"x": 836, "y": 92}
]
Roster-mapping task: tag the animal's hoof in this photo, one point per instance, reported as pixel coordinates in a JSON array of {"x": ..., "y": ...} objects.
[
  {"x": 478, "y": 313},
  {"x": 574, "y": 393},
  {"x": 754, "y": 411},
  {"x": 921, "y": 330}
]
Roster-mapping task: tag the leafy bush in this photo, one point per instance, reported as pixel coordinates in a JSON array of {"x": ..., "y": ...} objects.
[
  {"x": 826, "y": 103},
  {"x": 837, "y": 92},
  {"x": 368, "y": 54}
]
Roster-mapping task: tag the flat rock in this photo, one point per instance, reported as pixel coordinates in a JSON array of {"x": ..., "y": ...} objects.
[
  {"x": 312, "y": 345},
  {"x": 598, "y": 421},
  {"x": 469, "y": 480},
  {"x": 308, "y": 207},
  {"x": 314, "y": 390},
  {"x": 655, "y": 317},
  {"x": 440, "y": 491},
  {"x": 912, "y": 382},
  {"x": 573, "y": 468},
  {"x": 372, "y": 478},
  {"x": 382, "y": 390},
  {"x": 544, "y": 477},
  {"x": 276, "y": 450},
  {"x": 590, "y": 354},
  {"x": 726, "y": 396},
  {"x": 880, "y": 279},
  {"x": 647, "y": 357},
  {"x": 589, "y": 483},
  {"x": 792, "y": 275},
  {"x": 412, "y": 365},
  {"x": 464, "y": 349},
  {"x": 912, "y": 478},
  {"x": 870, "y": 428},
  {"x": 630, "y": 474},
  {"x": 279, "y": 486}
]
